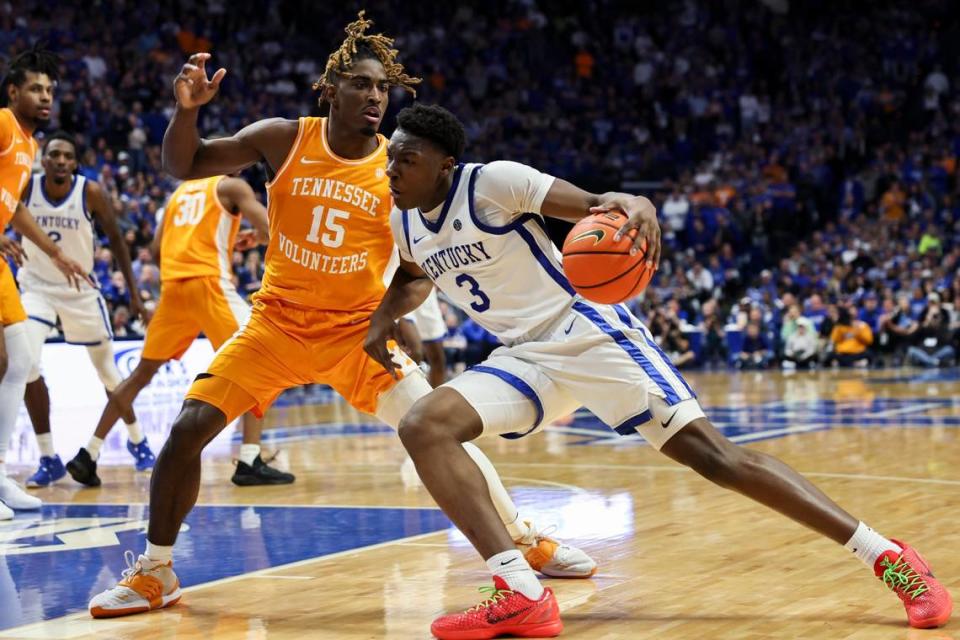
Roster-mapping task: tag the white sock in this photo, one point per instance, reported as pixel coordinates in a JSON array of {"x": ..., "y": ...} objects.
[
  {"x": 514, "y": 570},
  {"x": 134, "y": 432},
  {"x": 158, "y": 554},
  {"x": 868, "y": 545},
  {"x": 45, "y": 441},
  {"x": 249, "y": 453},
  {"x": 19, "y": 362},
  {"x": 93, "y": 448}
]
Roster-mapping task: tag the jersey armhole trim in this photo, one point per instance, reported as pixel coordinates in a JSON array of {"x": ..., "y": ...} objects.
[
  {"x": 520, "y": 385},
  {"x": 301, "y": 125},
  {"x": 83, "y": 199},
  {"x": 406, "y": 232}
]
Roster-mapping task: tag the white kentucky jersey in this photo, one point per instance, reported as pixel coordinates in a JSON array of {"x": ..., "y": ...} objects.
[
  {"x": 67, "y": 222},
  {"x": 487, "y": 249}
]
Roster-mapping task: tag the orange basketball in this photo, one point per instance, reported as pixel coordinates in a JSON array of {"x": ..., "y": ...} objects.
[{"x": 599, "y": 268}]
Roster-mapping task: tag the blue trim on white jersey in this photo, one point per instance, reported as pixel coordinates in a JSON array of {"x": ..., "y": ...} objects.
[
  {"x": 520, "y": 385},
  {"x": 83, "y": 202},
  {"x": 43, "y": 191},
  {"x": 434, "y": 227},
  {"x": 632, "y": 350},
  {"x": 105, "y": 316},
  {"x": 52, "y": 325},
  {"x": 518, "y": 225},
  {"x": 406, "y": 232},
  {"x": 629, "y": 426},
  {"x": 631, "y": 321},
  {"x": 623, "y": 314}
]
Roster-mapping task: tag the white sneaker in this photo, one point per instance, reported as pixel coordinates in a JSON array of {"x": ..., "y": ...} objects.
[
  {"x": 553, "y": 558},
  {"x": 15, "y": 497},
  {"x": 6, "y": 513},
  {"x": 139, "y": 591}
]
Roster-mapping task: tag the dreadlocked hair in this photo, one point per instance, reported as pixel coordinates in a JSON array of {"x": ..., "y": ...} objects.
[
  {"x": 37, "y": 59},
  {"x": 358, "y": 43}
]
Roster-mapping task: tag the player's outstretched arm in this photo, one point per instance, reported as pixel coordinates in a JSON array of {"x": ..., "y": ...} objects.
[
  {"x": 407, "y": 291},
  {"x": 187, "y": 156},
  {"x": 569, "y": 202},
  {"x": 103, "y": 211},
  {"x": 70, "y": 268},
  {"x": 238, "y": 197}
]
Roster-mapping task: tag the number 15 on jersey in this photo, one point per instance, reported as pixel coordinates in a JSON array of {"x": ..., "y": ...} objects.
[{"x": 334, "y": 231}]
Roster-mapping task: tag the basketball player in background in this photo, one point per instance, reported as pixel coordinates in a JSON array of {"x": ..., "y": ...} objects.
[
  {"x": 477, "y": 232},
  {"x": 193, "y": 243},
  {"x": 65, "y": 204},
  {"x": 422, "y": 332},
  {"x": 26, "y": 97},
  {"x": 330, "y": 245}
]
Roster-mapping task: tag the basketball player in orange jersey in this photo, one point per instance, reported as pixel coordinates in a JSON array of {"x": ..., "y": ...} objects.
[
  {"x": 193, "y": 244},
  {"x": 562, "y": 351},
  {"x": 330, "y": 246},
  {"x": 26, "y": 95}
]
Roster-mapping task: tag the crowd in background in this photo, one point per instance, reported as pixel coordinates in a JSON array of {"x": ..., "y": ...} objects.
[{"x": 803, "y": 156}]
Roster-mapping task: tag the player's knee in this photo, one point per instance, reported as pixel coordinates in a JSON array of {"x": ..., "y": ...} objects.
[
  {"x": 196, "y": 425},
  {"x": 700, "y": 447},
  {"x": 423, "y": 425}
]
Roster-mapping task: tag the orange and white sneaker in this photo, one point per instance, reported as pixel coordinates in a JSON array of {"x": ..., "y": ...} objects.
[
  {"x": 140, "y": 590},
  {"x": 908, "y": 575},
  {"x": 504, "y": 613},
  {"x": 553, "y": 558}
]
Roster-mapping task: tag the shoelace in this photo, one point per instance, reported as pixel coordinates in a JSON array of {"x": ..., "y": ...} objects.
[
  {"x": 149, "y": 589},
  {"x": 534, "y": 536},
  {"x": 900, "y": 576},
  {"x": 494, "y": 596}
]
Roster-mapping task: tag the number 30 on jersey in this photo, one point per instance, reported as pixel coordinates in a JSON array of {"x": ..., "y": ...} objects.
[{"x": 334, "y": 231}]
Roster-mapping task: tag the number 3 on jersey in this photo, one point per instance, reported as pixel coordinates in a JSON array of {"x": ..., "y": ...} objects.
[
  {"x": 333, "y": 237},
  {"x": 483, "y": 302}
]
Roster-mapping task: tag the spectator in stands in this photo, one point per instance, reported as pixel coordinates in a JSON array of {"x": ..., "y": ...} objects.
[
  {"x": 755, "y": 353},
  {"x": 800, "y": 348},
  {"x": 851, "y": 338},
  {"x": 714, "y": 346},
  {"x": 677, "y": 346},
  {"x": 932, "y": 341},
  {"x": 900, "y": 326}
]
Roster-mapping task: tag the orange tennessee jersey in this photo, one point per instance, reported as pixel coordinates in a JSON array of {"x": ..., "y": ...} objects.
[
  {"x": 330, "y": 239},
  {"x": 17, "y": 151},
  {"x": 198, "y": 233}
]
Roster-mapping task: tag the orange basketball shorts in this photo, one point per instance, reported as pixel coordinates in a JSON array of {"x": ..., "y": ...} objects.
[
  {"x": 186, "y": 308},
  {"x": 285, "y": 345},
  {"x": 11, "y": 309}
]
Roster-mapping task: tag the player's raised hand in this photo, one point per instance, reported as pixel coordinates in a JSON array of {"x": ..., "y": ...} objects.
[
  {"x": 382, "y": 329},
  {"x": 191, "y": 87},
  {"x": 10, "y": 248},
  {"x": 642, "y": 216}
]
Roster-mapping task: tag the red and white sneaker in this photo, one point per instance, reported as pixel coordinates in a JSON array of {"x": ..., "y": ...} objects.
[
  {"x": 504, "y": 613},
  {"x": 553, "y": 558},
  {"x": 141, "y": 590},
  {"x": 908, "y": 575}
]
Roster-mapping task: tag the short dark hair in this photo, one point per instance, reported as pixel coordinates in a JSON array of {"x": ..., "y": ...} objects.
[
  {"x": 37, "y": 59},
  {"x": 436, "y": 124},
  {"x": 61, "y": 135}
]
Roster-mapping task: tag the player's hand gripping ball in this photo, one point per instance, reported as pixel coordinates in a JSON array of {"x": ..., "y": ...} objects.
[{"x": 599, "y": 268}]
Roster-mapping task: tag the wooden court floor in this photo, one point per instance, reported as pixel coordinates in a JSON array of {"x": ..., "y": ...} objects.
[{"x": 679, "y": 558}]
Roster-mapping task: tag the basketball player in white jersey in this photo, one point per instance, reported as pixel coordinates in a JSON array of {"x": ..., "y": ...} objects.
[
  {"x": 423, "y": 332},
  {"x": 477, "y": 233},
  {"x": 65, "y": 204}
]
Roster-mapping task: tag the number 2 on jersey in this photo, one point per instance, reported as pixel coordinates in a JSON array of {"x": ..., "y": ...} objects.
[
  {"x": 483, "y": 302},
  {"x": 333, "y": 237}
]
